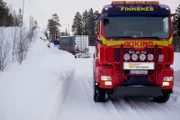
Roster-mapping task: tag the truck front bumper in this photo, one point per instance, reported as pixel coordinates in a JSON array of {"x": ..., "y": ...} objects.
[
  {"x": 136, "y": 91},
  {"x": 126, "y": 79}
]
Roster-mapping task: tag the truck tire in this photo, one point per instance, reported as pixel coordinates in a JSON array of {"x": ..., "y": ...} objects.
[
  {"x": 163, "y": 98},
  {"x": 99, "y": 94}
]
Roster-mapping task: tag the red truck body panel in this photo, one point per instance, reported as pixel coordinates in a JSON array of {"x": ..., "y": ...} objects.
[{"x": 115, "y": 65}]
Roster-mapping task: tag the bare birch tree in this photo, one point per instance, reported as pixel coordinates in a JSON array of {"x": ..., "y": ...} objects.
[
  {"x": 4, "y": 50},
  {"x": 15, "y": 37}
]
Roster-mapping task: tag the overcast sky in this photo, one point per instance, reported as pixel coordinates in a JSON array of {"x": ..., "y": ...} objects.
[{"x": 42, "y": 10}]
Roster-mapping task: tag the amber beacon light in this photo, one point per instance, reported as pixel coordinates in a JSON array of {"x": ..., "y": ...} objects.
[{"x": 115, "y": 2}]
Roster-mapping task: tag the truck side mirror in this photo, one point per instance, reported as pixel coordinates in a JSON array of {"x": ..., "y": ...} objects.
[
  {"x": 97, "y": 35},
  {"x": 90, "y": 25}
]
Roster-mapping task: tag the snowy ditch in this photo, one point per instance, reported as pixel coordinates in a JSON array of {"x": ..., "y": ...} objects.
[
  {"x": 175, "y": 97},
  {"x": 33, "y": 98},
  {"x": 61, "y": 93}
]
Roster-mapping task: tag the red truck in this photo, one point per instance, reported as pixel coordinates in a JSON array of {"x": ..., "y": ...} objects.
[{"x": 134, "y": 51}]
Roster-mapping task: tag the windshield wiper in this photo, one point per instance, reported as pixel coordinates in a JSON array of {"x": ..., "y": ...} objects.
[
  {"x": 117, "y": 37},
  {"x": 151, "y": 37}
]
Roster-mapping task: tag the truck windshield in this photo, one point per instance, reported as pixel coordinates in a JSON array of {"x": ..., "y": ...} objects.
[{"x": 137, "y": 27}]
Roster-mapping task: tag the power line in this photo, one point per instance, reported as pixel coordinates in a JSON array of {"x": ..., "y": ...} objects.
[{"x": 36, "y": 7}]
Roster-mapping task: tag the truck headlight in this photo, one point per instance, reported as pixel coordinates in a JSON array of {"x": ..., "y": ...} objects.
[
  {"x": 105, "y": 78},
  {"x": 165, "y": 84},
  {"x": 134, "y": 57},
  {"x": 126, "y": 57},
  {"x": 108, "y": 83},
  {"x": 142, "y": 57},
  {"x": 150, "y": 57}
]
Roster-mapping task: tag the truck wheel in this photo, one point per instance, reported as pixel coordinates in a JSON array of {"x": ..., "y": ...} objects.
[
  {"x": 163, "y": 98},
  {"x": 99, "y": 94}
]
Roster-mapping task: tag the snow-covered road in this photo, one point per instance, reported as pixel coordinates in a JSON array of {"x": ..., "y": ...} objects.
[
  {"x": 53, "y": 85},
  {"x": 79, "y": 103}
]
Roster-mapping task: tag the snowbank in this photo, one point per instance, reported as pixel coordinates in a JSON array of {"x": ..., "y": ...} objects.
[
  {"x": 92, "y": 49},
  {"x": 10, "y": 43},
  {"x": 176, "y": 64},
  {"x": 36, "y": 89}
]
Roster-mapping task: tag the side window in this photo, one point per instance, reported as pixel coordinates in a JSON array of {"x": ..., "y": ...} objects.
[
  {"x": 98, "y": 27},
  {"x": 166, "y": 25}
]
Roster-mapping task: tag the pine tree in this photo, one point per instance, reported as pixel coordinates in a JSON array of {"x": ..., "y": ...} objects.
[
  {"x": 6, "y": 17},
  {"x": 2, "y": 12},
  {"x": 20, "y": 17},
  {"x": 178, "y": 12},
  {"x": 55, "y": 17},
  {"x": 84, "y": 22},
  {"x": 176, "y": 41},
  {"x": 91, "y": 12},
  {"x": 16, "y": 20},
  {"x": 66, "y": 32},
  {"x": 63, "y": 34},
  {"x": 46, "y": 34},
  {"x": 80, "y": 25},
  {"x": 91, "y": 34},
  {"x": 53, "y": 27},
  {"x": 77, "y": 27},
  {"x": 96, "y": 23}
]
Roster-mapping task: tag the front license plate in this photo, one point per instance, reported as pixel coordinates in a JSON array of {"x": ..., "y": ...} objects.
[
  {"x": 138, "y": 66},
  {"x": 139, "y": 72}
]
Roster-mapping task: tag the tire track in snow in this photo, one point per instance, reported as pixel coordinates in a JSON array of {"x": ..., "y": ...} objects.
[
  {"x": 125, "y": 110},
  {"x": 165, "y": 109},
  {"x": 135, "y": 105},
  {"x": 175, "y": 97},
  {"x": 143, "y": 108},
  {"x": 147, "y": 109},
  {"x": 85, "y": 87},
  {"x": 79, "y": 104},
  {"x": 147, "y": 106},
  {"x": 121, "y": 108},
  {"x": 103, "y": 108}
]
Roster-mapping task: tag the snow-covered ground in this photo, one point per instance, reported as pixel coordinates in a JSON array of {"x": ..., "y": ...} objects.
[
  {"x": 33, "y": 90},
  {"x": 176, "y": 64},
  {"x": 79, "y": 102},
  {"x": 53, "y": 85}
]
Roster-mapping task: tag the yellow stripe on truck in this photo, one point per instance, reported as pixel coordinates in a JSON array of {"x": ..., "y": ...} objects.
[{"x": 136, "y": 43}]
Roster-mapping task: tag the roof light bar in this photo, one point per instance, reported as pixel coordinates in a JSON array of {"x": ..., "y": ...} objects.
[{"x": 118, "y": 2}]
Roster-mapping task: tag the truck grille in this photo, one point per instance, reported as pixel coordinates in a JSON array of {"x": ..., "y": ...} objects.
[
  {"x": 147, "y": 50},
  {"x": 117, "y": 68},
  {"x": 117, "y": 57},
  {"x": 117, "y": 54}
]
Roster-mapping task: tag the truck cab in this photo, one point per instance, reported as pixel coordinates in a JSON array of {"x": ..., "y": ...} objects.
[{"x": 134, "y": 51}]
